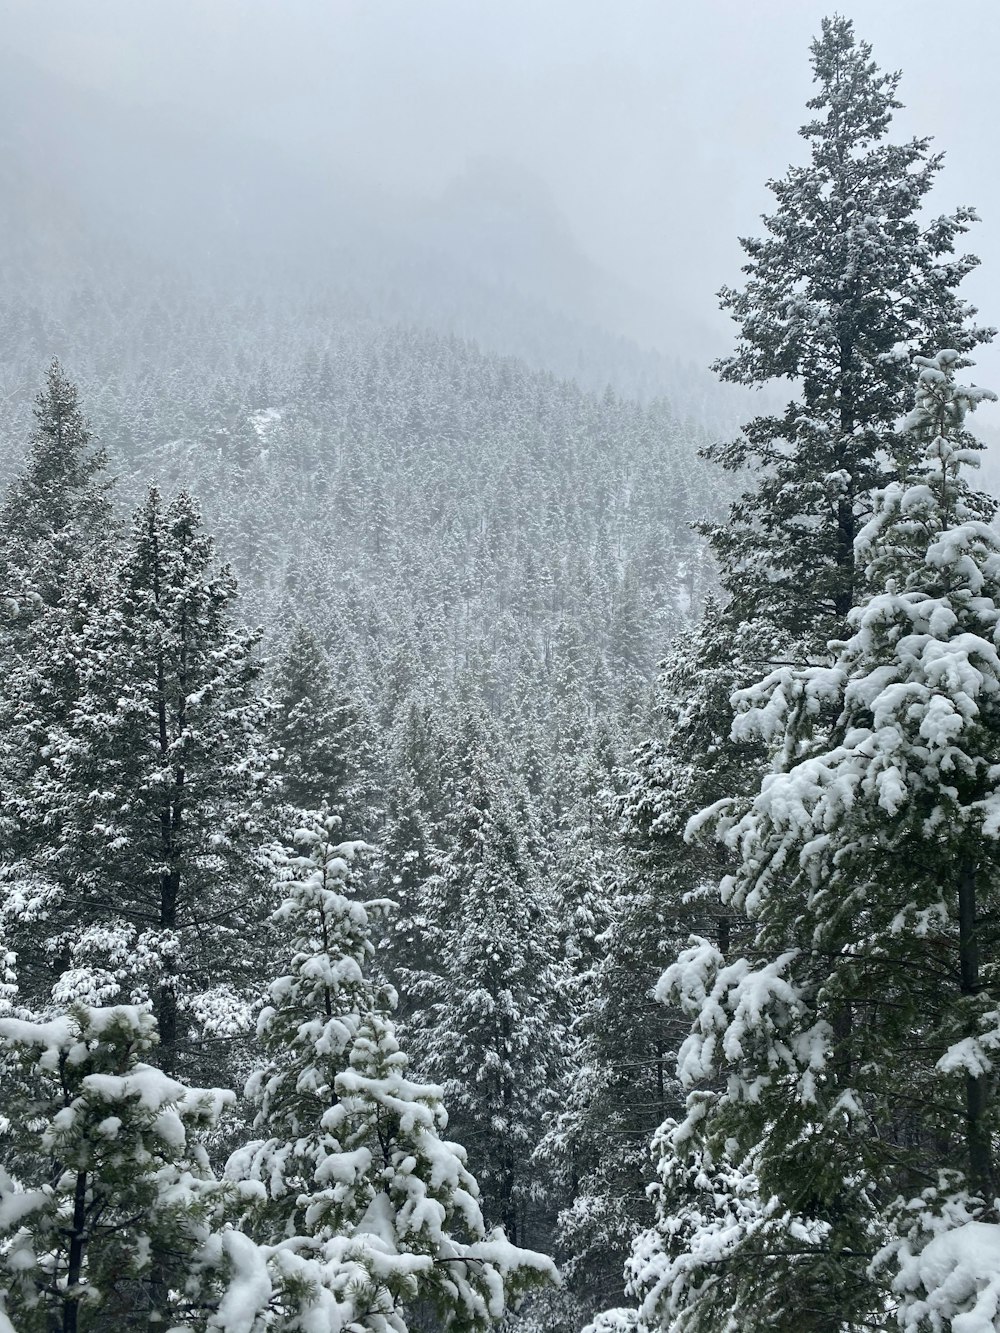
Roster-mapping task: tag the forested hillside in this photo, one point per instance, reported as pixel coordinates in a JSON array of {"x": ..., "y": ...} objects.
[{"x": 463, "y": 572}]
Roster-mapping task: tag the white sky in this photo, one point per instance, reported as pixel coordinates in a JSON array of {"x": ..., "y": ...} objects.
[{"x": 653, "y": 123}]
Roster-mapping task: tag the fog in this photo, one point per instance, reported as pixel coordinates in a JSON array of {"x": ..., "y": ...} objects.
[{"x": 605, "y": 157}]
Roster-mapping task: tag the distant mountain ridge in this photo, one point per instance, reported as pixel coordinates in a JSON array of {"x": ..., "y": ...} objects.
[{"x": 92, "y": 192}]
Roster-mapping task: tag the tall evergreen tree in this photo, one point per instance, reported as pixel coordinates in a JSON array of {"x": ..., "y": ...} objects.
[
  {"x": 843, "y": 1101},
  {"x": 137, "y": 874},
  {"x": 409, "y": 852},
  {"x": 58, "y": 507},
  {"x": 110, "y": 1201},
  {"x": 657, "y": 890},
  {"x": 57, "y": 534},
  {"x": 850, "y": 281},
  {"x": 311, "y": 725},
  {"x": 488, "y": 1030}
]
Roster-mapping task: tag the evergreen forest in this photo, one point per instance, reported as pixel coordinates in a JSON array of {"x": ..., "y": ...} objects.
[{"x": 495, "y": 831}]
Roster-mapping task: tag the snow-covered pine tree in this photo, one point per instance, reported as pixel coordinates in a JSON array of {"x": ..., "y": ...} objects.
[
  {"x": 357, "y": 666},
  {"x": 488, "y": 1029},
  {"x": 581, "y": 866},
  {"x": 366, "y": 1215},
  {"x": 109, "y": 1211},
  {"x": 658, "y": 890},
  {"x": 849, "y": 283},
  {"x": 846, "y": 284},
  {"x": 689, "y": 763},
  {"x": 842, "y": 1096},
  {"x": 139, "y": 875},
  {"x": 56, "y": 540},
  {"x": 409, "y": 850},
  {"x": 311, "y": 725},
  {"x": 58, "y": 507}
]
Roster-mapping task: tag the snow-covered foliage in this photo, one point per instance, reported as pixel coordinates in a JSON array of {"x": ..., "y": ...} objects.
[
  {"x": 56, "y": 509},
  {"x": 850, "y": 281},
  {"x": 654, "y": 895},
  {"x": 489, "y": 1027},
  {"x": 950, "y": 1283},
  {"x": 134, "y": 826},
  {"x": 108, "y": 1200},
  {"x": 364, "y": 1209},
  {"x": 464, "y": 572},
  {"x": 312, "y": 727},
  {"x": 617, "y": 1320},
  {"x": 863, "y": 864}
]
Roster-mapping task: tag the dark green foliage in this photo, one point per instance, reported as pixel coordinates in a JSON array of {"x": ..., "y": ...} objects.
[
  {"x": 850, "y": 281},
  {"x": 136, "y": 831},
  {"x": 311, "y": 728},
  {"x": 58, "y": 507}
]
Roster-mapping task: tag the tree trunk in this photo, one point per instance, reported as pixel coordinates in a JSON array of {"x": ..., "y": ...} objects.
[
  {"x": 843, "y": 1032},
  {"x": 77, "y": 1247},
  {"x": 846, "y": 526},
  {"x": 166, "y": 1007},
  {"x": 977, "y": 1137}
]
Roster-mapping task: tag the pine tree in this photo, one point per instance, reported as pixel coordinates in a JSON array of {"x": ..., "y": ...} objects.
[
  {"x": 409, "y": 852},
  {"x": 488, "y": 1028},
  {"x": 366, "y": 1213},
  {"x": 849, "y": 282},
  {"x": 621, "y": 1087},
  {"x": 689, "y": 763},
  {"x": 57, "y": 535},
  {"x": 842, "y": 1101},
  {"x": 311, "y": 726},
  {"x": 109, "y": 1205},
  {"x": 58, "y": 507},
  {"x": 137, "y": 876},
  {"x": 657, "y": 889}
]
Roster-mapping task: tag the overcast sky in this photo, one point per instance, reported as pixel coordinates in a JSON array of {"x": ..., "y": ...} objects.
[{"x": 653, "y": 124}]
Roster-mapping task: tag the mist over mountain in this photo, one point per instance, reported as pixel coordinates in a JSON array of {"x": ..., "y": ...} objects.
[{"x": 90, "y": 180}]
